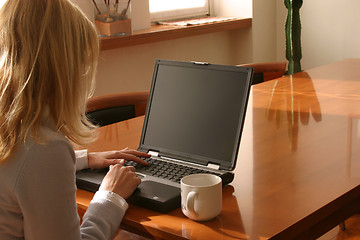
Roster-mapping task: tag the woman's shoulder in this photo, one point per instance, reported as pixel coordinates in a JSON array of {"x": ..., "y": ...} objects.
[
  {"x": 39, "y": 158},
  {"x": 48, "y": 146},
  {"x": 52, "y": 142}
]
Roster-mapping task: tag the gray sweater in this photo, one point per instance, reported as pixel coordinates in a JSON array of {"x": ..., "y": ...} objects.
[{"x": 38, "y": 196}]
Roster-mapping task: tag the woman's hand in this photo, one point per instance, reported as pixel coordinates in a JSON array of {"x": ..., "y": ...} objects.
[
  {"x": 98, "y": 160},
  {"x": 120, "y": 180}
]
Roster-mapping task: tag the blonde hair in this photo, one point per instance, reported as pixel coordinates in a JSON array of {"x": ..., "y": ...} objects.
[{"x": 48, "y": 58}]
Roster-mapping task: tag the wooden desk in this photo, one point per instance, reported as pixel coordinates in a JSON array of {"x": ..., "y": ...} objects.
[{"x": 298, "y": 168}]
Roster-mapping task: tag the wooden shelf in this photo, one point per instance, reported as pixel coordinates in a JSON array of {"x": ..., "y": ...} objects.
[{"x": 164, "y": 32}]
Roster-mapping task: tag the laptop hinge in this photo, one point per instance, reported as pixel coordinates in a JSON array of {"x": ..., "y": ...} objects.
[
  {"x": 153, "y": 153},
  {"x": 213, "y": 166}
]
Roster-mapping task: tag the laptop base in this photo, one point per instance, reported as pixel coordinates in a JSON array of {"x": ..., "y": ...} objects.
[{"x": 149, "y": 194}]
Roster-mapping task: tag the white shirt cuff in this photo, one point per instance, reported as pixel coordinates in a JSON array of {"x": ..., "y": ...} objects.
[
  {"x": 102, "y": 195},
  {"x": 81, "y": 159}
]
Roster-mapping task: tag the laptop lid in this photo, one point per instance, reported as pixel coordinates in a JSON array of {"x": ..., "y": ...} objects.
[{"x": 196, "y": 112}]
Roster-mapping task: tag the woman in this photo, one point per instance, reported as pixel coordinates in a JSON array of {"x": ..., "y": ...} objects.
[{"x": 49, "y": 54}]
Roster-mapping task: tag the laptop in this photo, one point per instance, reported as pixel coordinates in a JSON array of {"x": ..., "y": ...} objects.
[{"x": 193, "y": 124}]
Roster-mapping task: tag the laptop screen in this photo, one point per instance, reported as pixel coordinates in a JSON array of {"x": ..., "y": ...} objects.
[{"x": 196, "y": 112}]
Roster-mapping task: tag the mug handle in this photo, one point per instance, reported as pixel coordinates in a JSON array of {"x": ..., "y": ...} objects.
[{"x": 190, "y": 203}]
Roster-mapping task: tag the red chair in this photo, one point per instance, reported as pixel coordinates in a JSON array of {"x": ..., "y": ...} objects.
[
  {"x": 108, "y": 109},
  {"x": 266, "y": 71}
]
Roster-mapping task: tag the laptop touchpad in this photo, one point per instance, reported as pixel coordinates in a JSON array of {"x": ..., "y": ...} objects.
[{"x": 156, "y": 196}]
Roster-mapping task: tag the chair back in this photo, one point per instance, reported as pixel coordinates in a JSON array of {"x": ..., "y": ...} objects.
[
  {"x": 108, "y": 109},
  {"x": 266, "y": 71}
]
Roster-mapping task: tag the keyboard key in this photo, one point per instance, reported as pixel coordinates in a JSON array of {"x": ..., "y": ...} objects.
[{"x": 171, "y": 171}]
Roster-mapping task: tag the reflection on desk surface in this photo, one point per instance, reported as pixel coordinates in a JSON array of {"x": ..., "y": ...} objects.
[{"x": 292, "y": 100}]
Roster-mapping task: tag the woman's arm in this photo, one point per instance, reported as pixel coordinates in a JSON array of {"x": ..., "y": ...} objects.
[
  {"x": 98, "y": 160},
  {"x": 46, "y": 193}
]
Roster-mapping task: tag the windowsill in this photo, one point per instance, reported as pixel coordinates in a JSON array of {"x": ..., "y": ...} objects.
[{"x": 158, "y": 33}]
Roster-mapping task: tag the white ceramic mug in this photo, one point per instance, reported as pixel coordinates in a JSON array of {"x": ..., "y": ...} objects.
[{"x": 201, "y": 196}]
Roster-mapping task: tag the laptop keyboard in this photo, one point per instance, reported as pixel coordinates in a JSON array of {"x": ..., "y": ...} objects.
[{"x": 167, "y": 170}]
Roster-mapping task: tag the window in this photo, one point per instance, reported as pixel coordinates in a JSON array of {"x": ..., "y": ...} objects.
[{"x": 175, "y": 9}]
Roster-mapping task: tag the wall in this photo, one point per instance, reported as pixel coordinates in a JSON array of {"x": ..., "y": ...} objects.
[
  {"x": 329, "y": 33},
  {"x": 264, "y": 30},
  {"x": 281, "y": 14},
  {"x": 130, "y": 69}
]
